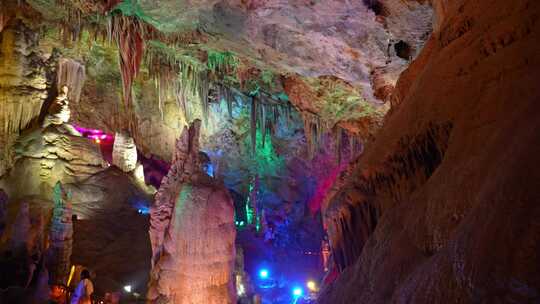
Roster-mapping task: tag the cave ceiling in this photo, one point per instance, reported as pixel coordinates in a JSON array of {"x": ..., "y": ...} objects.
[{"x": 361, "y": 46}]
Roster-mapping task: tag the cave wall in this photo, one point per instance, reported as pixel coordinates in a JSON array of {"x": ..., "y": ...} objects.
[
  {"x": 442, "y": 206},
  {"x": 23, "y": 82}
]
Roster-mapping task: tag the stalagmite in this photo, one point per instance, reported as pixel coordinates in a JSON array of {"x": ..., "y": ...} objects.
[
  {"x": 61, "y": 236},
  {"x": 58, "y": 113},
  {"x": 192, "y": 232},
  {"x": 124, "y": 154}
]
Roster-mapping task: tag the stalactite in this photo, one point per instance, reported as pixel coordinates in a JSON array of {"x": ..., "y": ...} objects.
[
  {"x": 203, "y": 89},
  {"x": 338, "y": 140},
  {"x": 229, "y": 100},
  {"x": 308, "y": 131},
  {"x": 352, "y": 145},
  {"x": 128, "y": 33},
  {"x": 72, "y": 74},
  {"x": 263, "y": 123},
  {"x": 253, "y": 123},
  {"x": 181, "y": 100}
]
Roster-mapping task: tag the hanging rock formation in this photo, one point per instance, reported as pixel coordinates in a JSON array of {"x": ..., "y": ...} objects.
[
  {"x": 192, "y": 232},
  {"x": 124, "y": 154},
  {"x": 71, "y": 74},
  {"x": 441, "y": 207}
]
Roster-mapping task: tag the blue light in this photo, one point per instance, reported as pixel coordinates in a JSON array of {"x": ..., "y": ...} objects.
[
  {"x": 263, "y": 273},
  {"x": 143, "y": 210},
  {"x": 297, "y": 291}
]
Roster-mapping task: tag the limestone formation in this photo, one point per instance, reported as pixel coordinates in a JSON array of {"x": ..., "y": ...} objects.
[
  {"x": 23, "y": 83},
  {"x": 192, "y": 232},
  {"x": 60, "y": 237},
  {"x": 3, "y": 211},
  {"x": 44, "y": 156},
  {"x": 58, "y": 112},
  {"x": 441, "y": 208},
  {"x": 71, "y": 74},
  {"x": 124, "y": 154}
]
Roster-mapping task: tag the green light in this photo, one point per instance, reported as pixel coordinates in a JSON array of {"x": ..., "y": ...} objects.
[{"x": 258, "y": 223}]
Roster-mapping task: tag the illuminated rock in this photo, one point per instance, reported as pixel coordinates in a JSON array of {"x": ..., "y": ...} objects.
[
  {"x": 60, "y": 237},
  {"x": 44, "y": 156},
  {"x": 58, "y": 112},
  {"x": 70, "y": 74},
  {"x": 192, "y": 232},
  {"x": 442, "y": 207},
  {"x": 124, "y": 154}
]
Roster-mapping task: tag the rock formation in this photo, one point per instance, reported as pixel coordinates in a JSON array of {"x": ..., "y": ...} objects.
[
  {"x": 23, "y": 83},
  {"x": 441, "y": 208},
  {"x": 3, "y": 211},
  {"x": 57, "y": 151},
  {"x": 71, "y": 74},
  {"x": 192, "y": 232},
  {"x": 124, "y": 154},
  {"x": 58, "y": 112},
  {"x": 60, "y": 237}
]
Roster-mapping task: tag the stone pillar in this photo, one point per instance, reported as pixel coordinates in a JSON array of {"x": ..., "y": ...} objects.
[
  {"x": 61, "y": 236},
  {"x": 192, "y": 233},
  {"x": 124, "y": 152}
]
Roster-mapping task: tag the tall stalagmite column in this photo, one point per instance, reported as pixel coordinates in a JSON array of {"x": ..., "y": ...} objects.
[
  {"x": 192, "y": 232},
  {"x": 61, "y": 236}
]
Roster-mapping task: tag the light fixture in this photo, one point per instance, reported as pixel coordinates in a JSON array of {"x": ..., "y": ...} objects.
[
  {"x": 127, "y": 288},
  {"x": 311, "y": 285},
  {"x": 264, "y": 273},
  {"x": 297, "y": 292}
]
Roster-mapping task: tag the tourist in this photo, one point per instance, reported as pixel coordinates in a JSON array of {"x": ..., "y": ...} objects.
[{"x": 84, "y": 290}]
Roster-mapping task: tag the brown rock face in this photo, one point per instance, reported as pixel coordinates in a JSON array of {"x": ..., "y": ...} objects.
[
  {"x": 192, "y": 232},
  {"x": 3, "y": 210},
  {"x": 443, "y": 205}
]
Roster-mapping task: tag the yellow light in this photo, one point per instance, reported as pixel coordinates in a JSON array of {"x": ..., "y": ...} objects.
[
  {"x": 71, "y": 272},
  {"x": 311, "y": 285},
  {"x": 98, "y": 140}
]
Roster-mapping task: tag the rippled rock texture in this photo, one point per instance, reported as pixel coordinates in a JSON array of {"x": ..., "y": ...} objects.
[
  {"x": 124, "y": 154},
  {"x": 192, "y": 232},
  {"x": 443, "y": 205}
]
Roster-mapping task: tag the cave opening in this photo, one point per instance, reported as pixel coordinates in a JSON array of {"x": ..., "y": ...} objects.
[{"x": 403, "y": 50}]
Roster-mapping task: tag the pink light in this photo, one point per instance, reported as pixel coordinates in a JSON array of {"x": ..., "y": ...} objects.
[{"x": 103, "y": 136}]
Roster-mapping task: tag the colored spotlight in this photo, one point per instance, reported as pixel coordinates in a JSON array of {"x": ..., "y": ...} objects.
[
  {"x": 264, "y": 274},
  {"x": 311, "y": 285},
  {"x": 297, "y": 291}
]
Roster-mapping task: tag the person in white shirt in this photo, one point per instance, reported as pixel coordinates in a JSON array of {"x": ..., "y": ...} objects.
[{"x": 84, "y": 290}]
